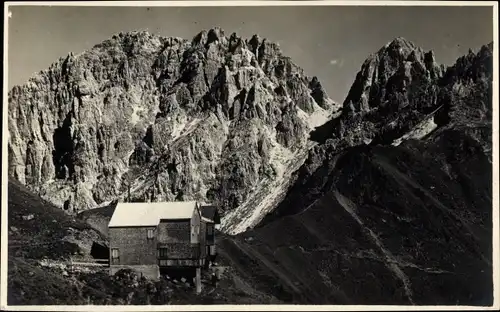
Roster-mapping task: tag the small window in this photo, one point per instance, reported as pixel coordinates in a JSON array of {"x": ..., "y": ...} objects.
[
  {"x": 151, "y": 233},
  {"x": 162, "y": 252},
  {"x": 115, "y": 256}
]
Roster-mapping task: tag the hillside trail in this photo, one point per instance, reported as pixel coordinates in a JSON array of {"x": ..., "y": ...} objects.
[
  {"x": 391, "y": 261},
  {"x": 428, "y": 196}
]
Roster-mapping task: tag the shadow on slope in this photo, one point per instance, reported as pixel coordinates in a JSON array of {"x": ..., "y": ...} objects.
[
  {"x": 389, "y": 225},
  {"x": 38, "y": 229}
]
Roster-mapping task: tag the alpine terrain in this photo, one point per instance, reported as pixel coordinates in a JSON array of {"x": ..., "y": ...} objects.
[
  {"x": 217, "y": 118},
  {"x": 383, "y": 199}
]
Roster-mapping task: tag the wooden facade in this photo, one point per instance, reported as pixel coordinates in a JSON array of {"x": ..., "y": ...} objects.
[{"x": 160, "y": 238}]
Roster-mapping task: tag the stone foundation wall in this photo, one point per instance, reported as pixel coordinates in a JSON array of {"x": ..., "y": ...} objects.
[{"x": 151, "y": 271}]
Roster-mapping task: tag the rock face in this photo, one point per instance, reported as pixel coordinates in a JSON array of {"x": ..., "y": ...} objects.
[
  {"x": 392, "y": 77},
  {"x": 162, "y": 119}
]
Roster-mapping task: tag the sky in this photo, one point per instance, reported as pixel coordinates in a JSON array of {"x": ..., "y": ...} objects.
[{"x": 330, "y": 42}]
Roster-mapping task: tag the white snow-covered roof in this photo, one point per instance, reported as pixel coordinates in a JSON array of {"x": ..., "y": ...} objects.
[{"x": 149, "y": 214}]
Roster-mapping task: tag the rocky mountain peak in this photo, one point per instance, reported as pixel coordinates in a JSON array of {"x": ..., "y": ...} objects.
[
  {"x": 216, "y": 118},
  {"x": 401, "y": 92},
  {"x": 206, "y": 37},
  {"x": 401, "y": 45},
  {"x": 391, "y": 72}
]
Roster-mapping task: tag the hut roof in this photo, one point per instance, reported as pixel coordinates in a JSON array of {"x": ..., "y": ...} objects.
[{"x": 150, "y": 214}]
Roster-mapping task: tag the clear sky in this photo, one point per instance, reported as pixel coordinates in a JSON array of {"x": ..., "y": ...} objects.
[{"x": 330, "y": 42}]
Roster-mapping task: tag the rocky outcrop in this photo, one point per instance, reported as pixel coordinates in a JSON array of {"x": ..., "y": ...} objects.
[
  {"x": 401, "y": 93},
  {"x": 163, "y": 118},
  {"x": 392, "y": 78},
  {"x": 467, "y": 88},
  {"x": 394, "y": 89},
  {"x": 48, "y": 233}
]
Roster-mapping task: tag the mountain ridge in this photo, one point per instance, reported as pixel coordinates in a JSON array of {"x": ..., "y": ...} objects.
[{"x": 81, "y": 131}]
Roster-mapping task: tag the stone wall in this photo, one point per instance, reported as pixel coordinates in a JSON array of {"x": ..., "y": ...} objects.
[
  {"x": 151, "y": 271},
  {"x": 134, "y": 246},
  {"x": 174, "y": 231}
]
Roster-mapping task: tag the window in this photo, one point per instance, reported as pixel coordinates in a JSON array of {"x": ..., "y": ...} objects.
[
  {"x": 151, "y": 233},
  {"x": 115, "y": 256},
  {"x": 162, "y": 253},
  {"x": 115, "y": 253}
]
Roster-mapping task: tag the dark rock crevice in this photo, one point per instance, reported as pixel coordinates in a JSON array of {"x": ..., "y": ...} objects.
[{"x": 62, "y": 155}]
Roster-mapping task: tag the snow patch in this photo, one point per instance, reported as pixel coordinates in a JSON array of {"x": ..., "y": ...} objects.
[
  {"x": 318, "y": 117},
  {"x": 183, "y": 128},
  {"x": 302, "y": 115},
  {"x": 104, "y": 204},
  {"x": 419, "y": 131}
]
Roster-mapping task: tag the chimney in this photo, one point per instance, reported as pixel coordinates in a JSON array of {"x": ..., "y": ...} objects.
[{"x": 128, "y": 192}]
